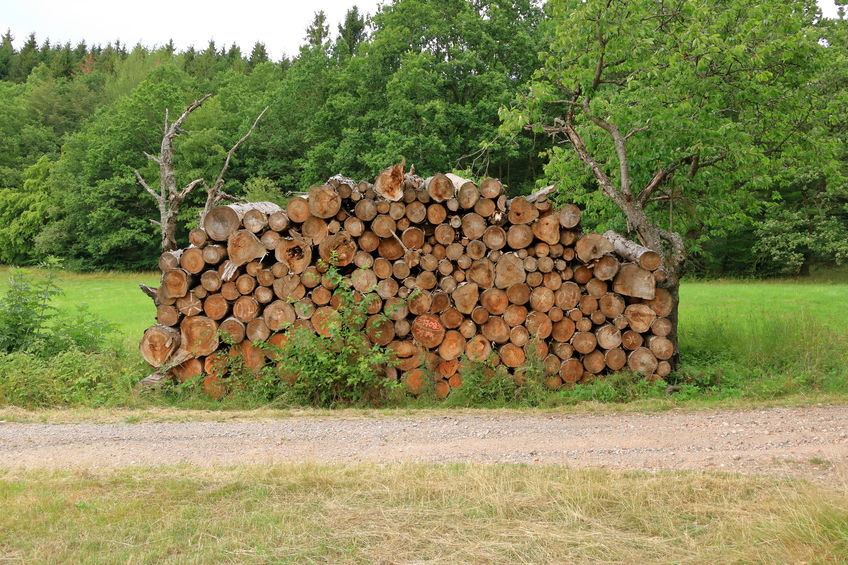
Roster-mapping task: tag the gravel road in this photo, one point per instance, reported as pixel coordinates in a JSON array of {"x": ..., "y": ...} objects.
[{"x": 809, "y": 442}]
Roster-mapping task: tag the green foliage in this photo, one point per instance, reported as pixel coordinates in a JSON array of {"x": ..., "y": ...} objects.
[
  {"x": 70, "y": 377},
  {"x": 724, "y": 97},
  {"x": 340, "y": 369},
  {"x": 30, "y": 323},
  {"x": 485, "y": 384}
]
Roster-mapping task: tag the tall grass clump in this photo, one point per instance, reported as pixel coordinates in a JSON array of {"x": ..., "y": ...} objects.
[{"x": 763, "y": 353}]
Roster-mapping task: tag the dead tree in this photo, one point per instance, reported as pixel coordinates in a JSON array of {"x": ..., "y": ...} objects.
[{"x": 170, "y": 197}]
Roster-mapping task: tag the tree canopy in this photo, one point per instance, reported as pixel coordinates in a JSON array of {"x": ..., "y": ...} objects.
[{"x": 736, "y": 109}]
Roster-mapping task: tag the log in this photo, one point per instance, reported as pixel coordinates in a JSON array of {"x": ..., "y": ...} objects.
[
  {"x": 611, "y": 305},
  {"x": 509, "y": 271},
  {"x": 246, "y": 308},
  {"x": 233, "y": 328},
  {"x": 452, "y": 345},
  {"x": 495, "y": 301},
  {"x": 158, "y": 344},
  {"x": 615, "y": 359},
  {"x": 633, "y": 280},
  {"x": 496, "y": 330},
  {"x": 641, "y": 360},
  {"x": 482, "y": 273},
  {"x": 254, "y": 220},
  {"x": 542, "y": 299},
  {"x": 440, "y": 188},
  {"x": 465, "y": 297},
  {"x": 521, "y": 211},
  {"x": 594, "y": 362},
  {"x": 518, "y": 335},
  {"x": 606, "y": 268},
  {"x": 199, "y": 335},
  {"x": 214, "y": 254},
  {"x": 296, "y": 254},
  {"x": 539, "y": 325},
  {"x": 519, "y": 293},
  {"x": 257, "y": 330},
  {"x": 592, "y": 246},
  {"x": 297, "y": 209},
  {"x": 389, "y": 183},
  {"x": 609, "y": 336},
  {"x": 170, "y": 260},
  {"x": 189, "y": 305},
  {"x": 338, "y": 249},
  {"x": 571, "y": 370},
  {"x": 639, "y": 317},
  {"x": 428, "y": 330},
  {"x": 512, "y": 355},
  {"x": 661, "y": 347},
  {"x": 633, "y": 252},
  {"x": 662, "y": 303},
  {"x": 278, "y": 221},
  {"x": 175, "y": 284},
  {"x": 569, "y": 216},
  {"x": 547, "y": 229},
  {"x": 167, "y": 315},
  {"x": 584, "y": 342},
  {"x": 188, "y": 370},
  {"x": 661, "y": 327},
  {"x": 491, "y": 188},
  {"x": 222, "y": 221},
  {"x": 324, "y": 201},
  {"x": 519, "y": 236},
  {"x": 380, "y": 330},
  {"x": 191, "y": 260}
]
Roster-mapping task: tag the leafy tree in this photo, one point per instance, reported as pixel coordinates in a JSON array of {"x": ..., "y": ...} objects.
[
  {"x": 23, "y": 213},
  {"x": 674, "y": 111}
]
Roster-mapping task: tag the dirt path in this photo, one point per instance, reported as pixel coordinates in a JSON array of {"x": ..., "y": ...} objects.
[{"x": 810, "y": 442}]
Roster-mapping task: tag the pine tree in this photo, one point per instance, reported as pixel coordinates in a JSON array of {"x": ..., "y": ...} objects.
[
  {"x": 352, "y": 31},
  {"x": 258, "y": 55},
  {"x": 7, "y": 55},
  {"x": 318, "y": 31}
]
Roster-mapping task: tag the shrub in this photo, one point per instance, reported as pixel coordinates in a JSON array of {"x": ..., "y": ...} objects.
[
  {"x": 29, "y": 322},
  {"x": 337, "y": 369}
]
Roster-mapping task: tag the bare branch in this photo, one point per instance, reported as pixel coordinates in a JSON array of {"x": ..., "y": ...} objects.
[
  {"x": 154, "y": 222},
  {"x": 634, "y": 130},
  {"x": 144, "y": 185},
  {"x": 152, "y": 157},
  {"x": 188, "y": 188},
  {"x": 175, "y": 128},
  {"x": 657, "y": 180},
  {"x": 219, "y": 182},
  {"x": 618, "y": 141}
]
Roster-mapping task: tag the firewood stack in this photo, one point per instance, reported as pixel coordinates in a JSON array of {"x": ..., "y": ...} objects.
[{"x": 459, "y": 271}]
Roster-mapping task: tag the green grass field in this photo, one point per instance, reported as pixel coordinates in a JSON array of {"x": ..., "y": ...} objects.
[{"x": 407, "y": 513}]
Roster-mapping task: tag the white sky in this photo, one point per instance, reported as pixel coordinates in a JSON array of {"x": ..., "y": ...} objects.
[{"x": 281, "y": 25}]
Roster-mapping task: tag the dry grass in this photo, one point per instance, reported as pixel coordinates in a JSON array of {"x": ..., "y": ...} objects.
[{"x": 415, "y": 513}]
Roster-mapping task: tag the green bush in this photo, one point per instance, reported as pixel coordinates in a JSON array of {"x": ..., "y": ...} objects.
[{"x": 342, "y": 368}]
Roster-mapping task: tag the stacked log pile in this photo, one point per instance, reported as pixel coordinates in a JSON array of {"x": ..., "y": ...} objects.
[{"x": 459, "y": 272}]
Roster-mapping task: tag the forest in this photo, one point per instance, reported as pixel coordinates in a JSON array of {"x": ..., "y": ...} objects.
[{"x": 735, "y": 120}]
